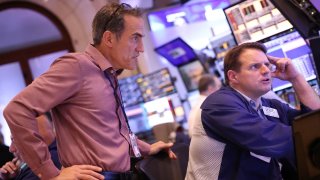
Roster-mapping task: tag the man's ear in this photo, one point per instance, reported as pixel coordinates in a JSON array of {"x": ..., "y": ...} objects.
[
  {"x": 232, "y": 75},
  {"x": 107, "y": 38}
]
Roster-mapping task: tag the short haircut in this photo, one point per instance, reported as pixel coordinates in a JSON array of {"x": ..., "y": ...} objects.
[
  {"x": 111, "y": 17},
  {"x": 231, "y": 60},
  {"x": 205, "y": 81}
]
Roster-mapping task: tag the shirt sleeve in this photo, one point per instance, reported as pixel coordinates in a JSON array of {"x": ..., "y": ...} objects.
[
  {"x": 54, "y": 87},
  {"x": 143, "y": 147},
  {"x": 192, "y": 117},
  {"x": 228, "y": 119}
]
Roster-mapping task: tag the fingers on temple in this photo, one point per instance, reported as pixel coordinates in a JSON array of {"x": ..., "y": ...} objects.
[{"x": 272, "y": 59}]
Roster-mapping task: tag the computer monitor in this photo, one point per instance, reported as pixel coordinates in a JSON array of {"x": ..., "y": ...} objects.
[
  {"x": 156, "y": 85},
  {"x": 191, "y": 73},
  {"x": 159, "y": 111},
  {"x": 254, "y": 20},
  {"x": 306, "y": 137},
  {"x": 291, "y": 45},
  {"x": 177, "y": 52}
]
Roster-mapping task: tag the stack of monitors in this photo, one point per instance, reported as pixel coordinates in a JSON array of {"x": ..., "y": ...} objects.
[
  {"x": 291, "y": 45},
  {"x": 254, "y": 20},
  {"x": 156, "y": 85}
]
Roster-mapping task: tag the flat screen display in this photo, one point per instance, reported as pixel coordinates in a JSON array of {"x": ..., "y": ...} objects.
[
  {"x": 177, "y": 52},
  {"x": 255, "y": 20},
  {"x": 291, "y": 45},
  {"x": 155, "y": 85},
  {"x": 191, "y": 73},
  {"x": 158, "y": 111}
]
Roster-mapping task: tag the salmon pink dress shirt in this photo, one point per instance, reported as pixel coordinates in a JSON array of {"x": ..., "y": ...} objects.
[{"x": 84, "y": 115}]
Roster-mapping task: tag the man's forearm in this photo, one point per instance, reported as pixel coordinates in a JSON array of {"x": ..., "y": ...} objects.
[{"x": 305, "y": 93}]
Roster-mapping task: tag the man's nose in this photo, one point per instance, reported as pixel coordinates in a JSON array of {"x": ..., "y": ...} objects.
[
  {"x": 140, "y": 47},
  {"x": 265, "y": 69}
]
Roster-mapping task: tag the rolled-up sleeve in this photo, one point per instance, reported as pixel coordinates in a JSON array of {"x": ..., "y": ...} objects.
[{"x": 144, "y": 147}]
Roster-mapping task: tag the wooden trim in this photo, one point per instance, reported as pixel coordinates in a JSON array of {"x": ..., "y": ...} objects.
[
  {"x": 30, "y": 52},
  {"x": 24, "y": 54},
  {"x": 42, "y": 10}
]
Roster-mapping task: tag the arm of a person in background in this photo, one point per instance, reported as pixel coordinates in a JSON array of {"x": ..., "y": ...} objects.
[
  {"x": 285, "y": 70},
  {"x": 10, "y": 169}
]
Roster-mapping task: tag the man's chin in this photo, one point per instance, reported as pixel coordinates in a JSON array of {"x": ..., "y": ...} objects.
[
  {"x": 266, "y": 90},
  {"x": 132, "y": 67}
]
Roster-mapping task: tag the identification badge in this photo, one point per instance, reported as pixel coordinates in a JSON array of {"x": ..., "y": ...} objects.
[
  {"x": 134, "y": 145},
  {"x": 270, "y": 112}
]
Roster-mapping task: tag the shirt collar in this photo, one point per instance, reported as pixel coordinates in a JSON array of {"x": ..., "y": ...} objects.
[
  {"x": 256, "y": 105},
  {"x": 98, "y": 58}
]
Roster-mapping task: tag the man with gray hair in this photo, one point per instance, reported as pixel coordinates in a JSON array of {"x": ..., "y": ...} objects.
[{"x": 93, "y": 134}]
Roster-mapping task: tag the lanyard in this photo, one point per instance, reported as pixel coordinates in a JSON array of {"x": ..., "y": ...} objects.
[{"x": 115, "y": 86}]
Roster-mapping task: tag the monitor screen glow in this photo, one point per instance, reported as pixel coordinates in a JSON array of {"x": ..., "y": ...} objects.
[
  {"x": 255, "y": 20},
  {"x": 177, "y": 52},
  {"x": 158, "y": 114},
  {"x": 291, "y": 45},
  {"x": 156, "y": 85}
]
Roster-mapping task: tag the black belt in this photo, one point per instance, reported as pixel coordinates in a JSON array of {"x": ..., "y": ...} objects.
[{"x": 108, "y": 175}]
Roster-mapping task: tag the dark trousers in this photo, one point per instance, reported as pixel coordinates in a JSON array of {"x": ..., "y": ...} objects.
[{"x": 108, "y": 175}]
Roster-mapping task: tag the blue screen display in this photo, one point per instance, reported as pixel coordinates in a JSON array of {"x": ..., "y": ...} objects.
[
  {"x": 177, "y": 52},
  {"x": 291, "y": 45}
]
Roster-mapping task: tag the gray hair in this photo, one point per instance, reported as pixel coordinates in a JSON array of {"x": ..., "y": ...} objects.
[{"x": 111, "y": 17}]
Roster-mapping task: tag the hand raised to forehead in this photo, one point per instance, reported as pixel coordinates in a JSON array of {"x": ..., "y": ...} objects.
[
  {"x": 285, "y": 69},
  {"x": 280, "y": 63},
  {"x": 272, "y": 59}
]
